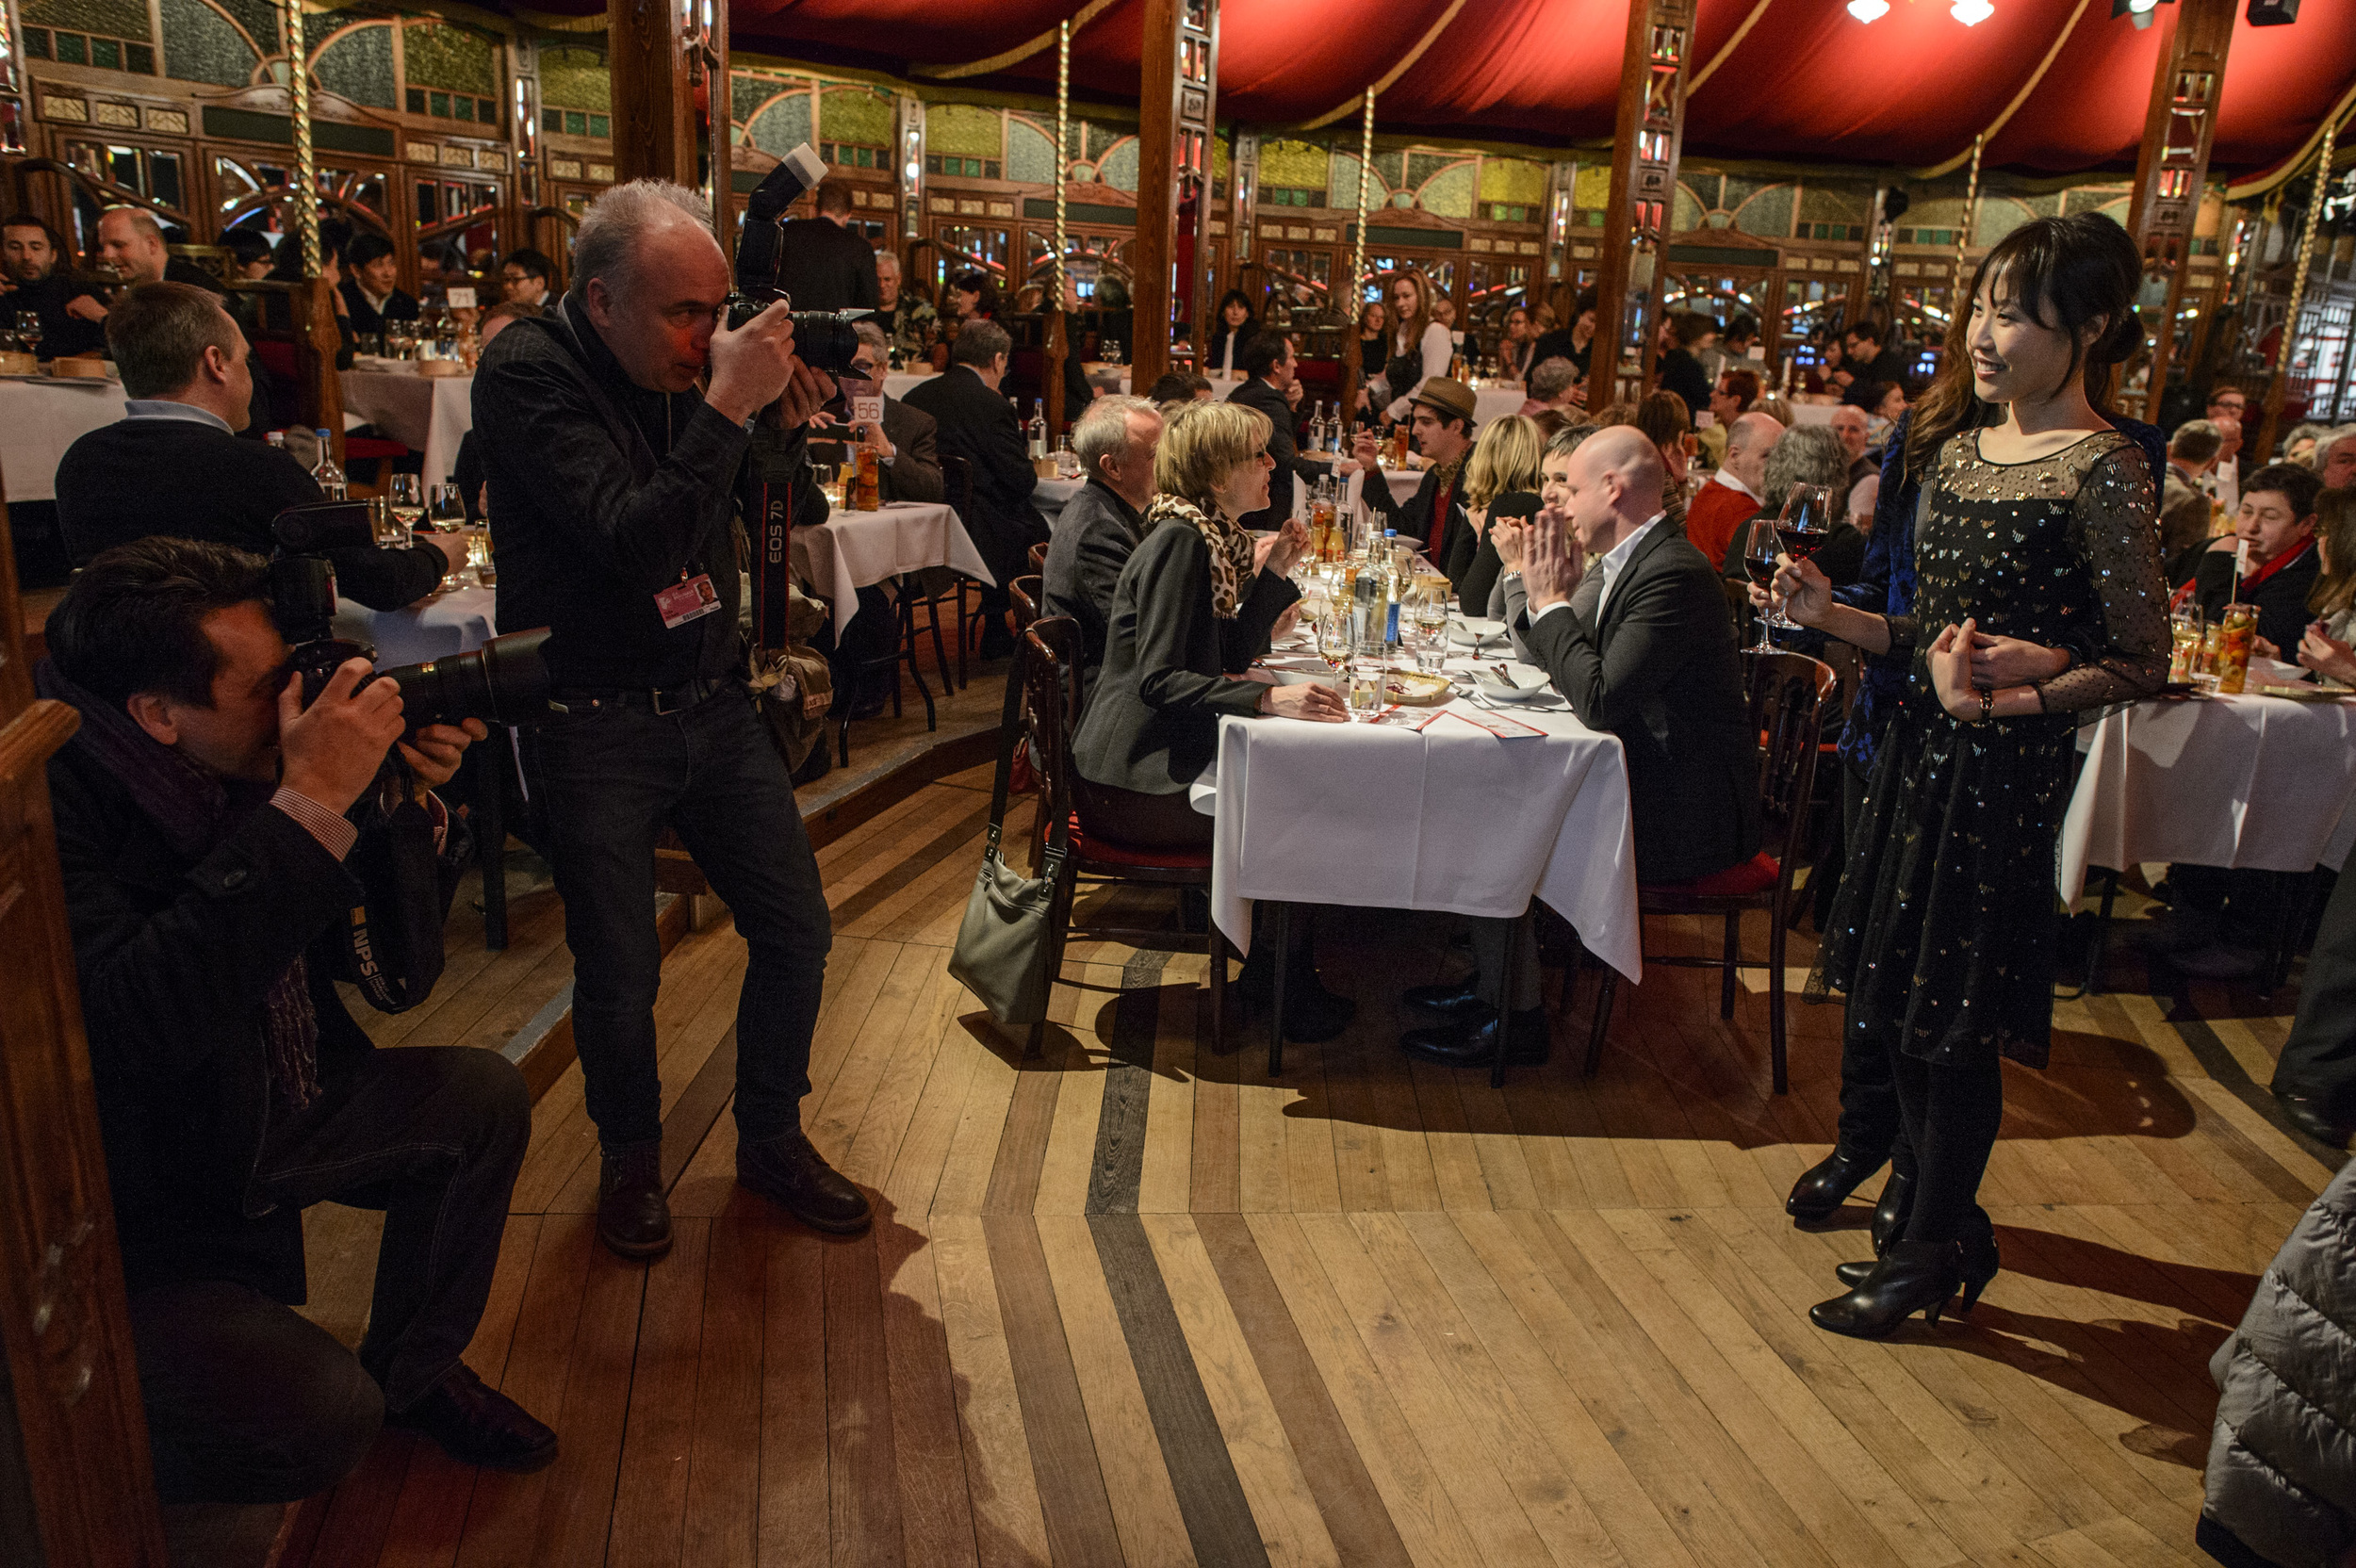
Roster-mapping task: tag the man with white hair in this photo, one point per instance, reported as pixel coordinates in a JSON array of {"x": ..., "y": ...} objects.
[
  {"x": 1855, "y": 430},
  {"x": 2336, "y": 458},
  {"x": 1732, "y": 497},
  {"x": 1641, "y": 645},
  {"x": 1102, "y": 525},
  {"x": 616, "y": 432}
]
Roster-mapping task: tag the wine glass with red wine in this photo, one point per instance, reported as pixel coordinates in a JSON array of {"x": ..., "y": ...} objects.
[
  {"x": 1803, "y": 525},
  {"x": 1760, "y": 548}
]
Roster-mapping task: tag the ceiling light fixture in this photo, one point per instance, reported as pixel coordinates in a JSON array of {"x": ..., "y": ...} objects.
[
  {"x": 1869, "y": 11},
  {"x": 1971, "y": 12}
]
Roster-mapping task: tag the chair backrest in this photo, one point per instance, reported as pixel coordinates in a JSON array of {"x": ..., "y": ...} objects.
[
  {"x": 1039, "y": 559},
  {"x": 1053, "y": 644},
  {"x": 1026, "y": 591},
  {"x": 1789, "y": 693},
  {"x": 956, "y": 483}
]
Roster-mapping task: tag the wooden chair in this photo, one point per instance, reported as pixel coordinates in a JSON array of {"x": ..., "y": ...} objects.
[
  {"x": 1050, "y": 664},
  {"x": 1039, "y": 559},
  {"x": 945, "y": 586},
  {"x": 903, "y": 652},
  {"x": 1788, "y": 697},
  {"x": 1026, "y": 591}
]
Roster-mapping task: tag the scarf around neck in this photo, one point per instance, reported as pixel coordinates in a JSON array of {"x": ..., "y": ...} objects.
[
  {"x": 194, "y": 811},
  {"x": 1230, "y": 548}
]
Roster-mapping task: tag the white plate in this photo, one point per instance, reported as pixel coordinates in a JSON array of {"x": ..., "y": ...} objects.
[
  {"x": 1498, "y": 691},
  {"x": 1475, "y": 630}
]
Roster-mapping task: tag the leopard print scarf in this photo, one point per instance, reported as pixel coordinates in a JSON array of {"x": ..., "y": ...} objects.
[{"x": 1230, "y": 548}]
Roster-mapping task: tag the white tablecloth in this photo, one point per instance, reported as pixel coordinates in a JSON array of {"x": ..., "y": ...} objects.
[
  {"x": 1812, "y": 414},
  {"x": 1049, "y": 495},
  {"x": 459, "y": 621},
  {"x": 2250, "y": 781},
  {"x": 852, "y": 550},
  {"x": 39, "y": 420},
  {"x": 426, "y": 413},
  {"x": 1449, "y": 819},
  {"x": 1495, "y": 402},
  {"x": 899, "y": 384}
]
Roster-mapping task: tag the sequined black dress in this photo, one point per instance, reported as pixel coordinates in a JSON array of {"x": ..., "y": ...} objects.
[{"x": 1942, "y": 931}]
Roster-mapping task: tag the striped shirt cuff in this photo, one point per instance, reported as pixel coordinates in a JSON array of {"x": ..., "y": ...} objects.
[{"x": 335, "y": 833}]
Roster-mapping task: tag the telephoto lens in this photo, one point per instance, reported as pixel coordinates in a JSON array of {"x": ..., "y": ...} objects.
[
  {"x": 503, "y": 682},
  {"x": 824, "y": 341}
]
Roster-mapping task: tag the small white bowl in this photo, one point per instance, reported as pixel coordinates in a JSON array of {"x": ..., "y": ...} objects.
[{"x": 1499, "y": 690}]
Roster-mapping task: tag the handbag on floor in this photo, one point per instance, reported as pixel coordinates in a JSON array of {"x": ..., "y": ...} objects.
[{"x": 1003, "y": 942}]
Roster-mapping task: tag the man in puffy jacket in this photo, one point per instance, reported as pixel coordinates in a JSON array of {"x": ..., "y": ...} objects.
[{"x": 2281, "y": 1457}]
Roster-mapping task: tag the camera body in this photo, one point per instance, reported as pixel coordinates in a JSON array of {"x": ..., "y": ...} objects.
[
  {"x": 502, "y": 682},
  {"x": 822, "y": 339}
]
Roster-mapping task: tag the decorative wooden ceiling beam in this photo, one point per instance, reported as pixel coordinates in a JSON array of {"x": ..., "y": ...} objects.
[
  {"x": 1645, "y": 140},
  {"x": 2173, "y": 167}
]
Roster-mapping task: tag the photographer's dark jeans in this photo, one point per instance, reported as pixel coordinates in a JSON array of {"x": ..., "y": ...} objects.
[
  {"x": 434, "y": 1136},
  {"x": 613, "y": 778},
  {"x": 248, "y": 1401}
]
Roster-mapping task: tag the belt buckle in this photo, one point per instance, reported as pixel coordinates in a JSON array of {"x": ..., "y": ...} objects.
[{"x": 664, "y": 709}]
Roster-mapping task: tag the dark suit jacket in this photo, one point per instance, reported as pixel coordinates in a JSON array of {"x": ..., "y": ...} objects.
[
  {"x": 365, "y": 319},
  {"x": 2281, "y": 599},
  {"x": 1413, "y": 520},
  {"x": 1661, "y": 673},
  {"x": 914, "y": 472},
  {"x": 1681, "y": 371},
  {"x": 176, "y": 956},
  {"x": 827, "y": 267},
  {"x": 1153, "y": 721},
  {"x": 978, "y": 424},
  {"x": 1479, "y": 564},
  {"x": 1889, "y": 366},
  {"x": 1094, "y": 537},
  {"x": 1257, "y": 393}
]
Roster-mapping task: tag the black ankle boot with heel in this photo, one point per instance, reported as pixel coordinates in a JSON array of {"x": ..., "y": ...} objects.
[
  {"x": 1890, "y": 1213},
  {"x": 1980, "y": 1262},
  {"x": 1917, "y": 1276},
  {"x": 1827, "y": 1184}
]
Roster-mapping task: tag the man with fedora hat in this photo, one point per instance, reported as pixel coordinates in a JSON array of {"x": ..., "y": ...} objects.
[{"x": 1434, "y": 517}]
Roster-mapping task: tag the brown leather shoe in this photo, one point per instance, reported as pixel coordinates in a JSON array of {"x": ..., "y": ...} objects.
[
  {"x": 788, "y": 1172},
  {"x": 634, "y": 1217}
]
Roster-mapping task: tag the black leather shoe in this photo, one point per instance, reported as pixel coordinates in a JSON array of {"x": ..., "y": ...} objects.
[
  {"x": 1313, "y": 1013},
  {"x": 1918, "y": 1276},
  {"x": 1892, "y": 1214},
  {"x": 1459, "y": 1002},
  {"x": 1826, "y": 1185},
  {"x": 476, "y": 1424},
  {"x": 1980, "y": 1266},
  {"x": 1476, "y": 1044},
  {"x": 2306, "y": 1113},
  {"x": 788, "y": 1172},
  {"x": 634, "y": 1217}
]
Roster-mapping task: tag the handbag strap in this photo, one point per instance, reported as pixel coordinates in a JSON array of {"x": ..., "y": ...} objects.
[{"x": 1011, "y": 732}]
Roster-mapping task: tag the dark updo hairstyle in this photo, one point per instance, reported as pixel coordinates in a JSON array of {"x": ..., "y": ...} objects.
[{"x": 2066, "y": 271}]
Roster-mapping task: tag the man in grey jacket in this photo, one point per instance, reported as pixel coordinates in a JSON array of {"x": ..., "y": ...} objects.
[
  {"x": 2281, "y": 1480},
  {"x": 1102, "y": 525}
]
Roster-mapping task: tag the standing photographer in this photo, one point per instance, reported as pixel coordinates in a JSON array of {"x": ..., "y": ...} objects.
[
  {"x": 208, "y": 868},
  {"x": 614, "y": 436}
]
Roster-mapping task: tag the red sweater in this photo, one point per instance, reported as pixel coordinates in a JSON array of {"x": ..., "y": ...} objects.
[{"x": 1711, "y": 520}]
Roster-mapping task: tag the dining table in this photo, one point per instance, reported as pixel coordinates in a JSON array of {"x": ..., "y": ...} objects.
[
  {"x": 429, "y": 414},
  {"x": 1473, "y": 808},
  {"x": 851, "y": 551},
  {"x": 40, "y": 418},
  {"x": 2242, "y": 781}
]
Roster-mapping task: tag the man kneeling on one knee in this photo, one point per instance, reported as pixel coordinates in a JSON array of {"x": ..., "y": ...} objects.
[{"x": 201, "y": 830}]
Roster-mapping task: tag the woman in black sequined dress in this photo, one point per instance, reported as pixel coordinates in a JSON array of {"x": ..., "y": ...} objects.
[{"x": 2040, "y": 598}]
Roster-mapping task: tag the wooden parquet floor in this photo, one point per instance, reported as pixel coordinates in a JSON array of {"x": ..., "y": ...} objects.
[{"x": 1134, "y": 1303}]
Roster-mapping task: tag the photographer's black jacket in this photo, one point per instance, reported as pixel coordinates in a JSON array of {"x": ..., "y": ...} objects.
[
  {"x": 589, "y": 523},
  {"x": 176, "y": 959},
  {"x": 188, "y": 479}
]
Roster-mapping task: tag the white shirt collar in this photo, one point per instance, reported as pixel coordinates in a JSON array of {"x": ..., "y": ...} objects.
[
  {"x": 164, "y": 408},
  {"x": 1733, "y": 481},
  {"x": 1616, "y": 558}
]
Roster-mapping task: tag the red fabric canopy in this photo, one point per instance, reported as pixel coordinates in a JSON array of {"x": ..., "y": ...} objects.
[{"x": 1807, "y": 82}]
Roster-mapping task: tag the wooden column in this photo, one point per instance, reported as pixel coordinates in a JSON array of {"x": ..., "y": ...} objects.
[
  {"x": 710, "y": 56},
  {"x": 1059, "y": 329},
  {"x": 2171, "y": 169},
  {"x": 1175, "y": 106},
  {"x": 654, "y": 104},
  {"x": 1645, "y": 146}
]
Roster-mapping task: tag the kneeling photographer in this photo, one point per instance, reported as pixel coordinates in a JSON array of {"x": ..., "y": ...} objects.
[
  {"x": 209, "y": 869},
  {"x": 616, "y": 433}
]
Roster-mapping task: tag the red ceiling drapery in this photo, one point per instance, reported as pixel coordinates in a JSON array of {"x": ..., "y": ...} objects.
[{"x": 1808, "y": 82}]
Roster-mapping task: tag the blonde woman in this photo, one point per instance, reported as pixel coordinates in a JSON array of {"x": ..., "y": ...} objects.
[
  {"x": 1501, "y": 480},
  {"x": 1420, "y": 346},
  {"x": 1193, "y": 609}
]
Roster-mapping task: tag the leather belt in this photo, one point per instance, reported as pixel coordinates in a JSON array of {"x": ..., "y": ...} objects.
[{"x": 660, "y": 700}]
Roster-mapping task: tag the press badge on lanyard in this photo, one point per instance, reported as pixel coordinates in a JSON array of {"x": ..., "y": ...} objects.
[{"x": 689, "y": 598}]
